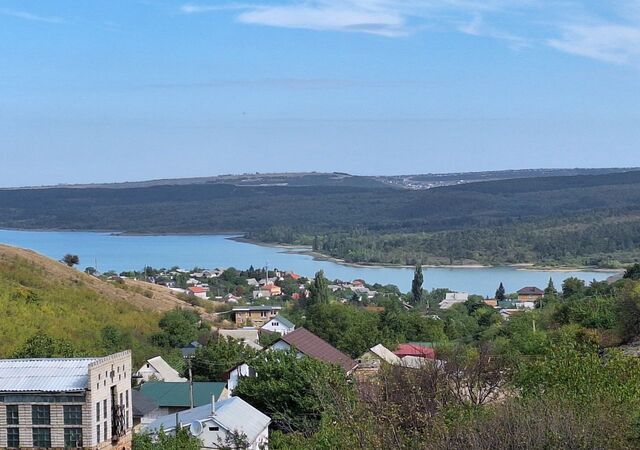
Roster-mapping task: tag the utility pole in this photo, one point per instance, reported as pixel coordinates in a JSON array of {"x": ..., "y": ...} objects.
[{"x": 190, "y": 382}]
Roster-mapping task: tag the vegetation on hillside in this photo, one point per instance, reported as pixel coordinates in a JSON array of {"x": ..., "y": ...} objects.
[{"x": 581, "y": 220}]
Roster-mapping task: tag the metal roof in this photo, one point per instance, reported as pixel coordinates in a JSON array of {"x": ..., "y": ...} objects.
[
  {"x": 232, "y": 414},
  {"x": 44, "y": 375},
  {"x": 176, "y": 394}
]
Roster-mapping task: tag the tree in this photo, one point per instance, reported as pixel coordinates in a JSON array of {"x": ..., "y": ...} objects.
[
  {"x": 629, "y": 312},
  {"x": 70, "y": 260},
  {"x": 179, "y": 327},
  {"x": 211, "y": 361},
  {"x": 633, "y": 272},
  {"x": 291, "y": 390},
  {"x": 41, "y": 345},
  {"x": 182, "y": 440},
  {"x": 550, "y": 290},
  {"x": 416, "y": 285},
  {"x": 319, "y": 289},
  {"x": 90, "y": 270},
  {"x": 572, "y": 286},
  {"x": 500, "y": 293}
]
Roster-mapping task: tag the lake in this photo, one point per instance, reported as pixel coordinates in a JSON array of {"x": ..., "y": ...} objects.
[{"x": 121, "y": 252}]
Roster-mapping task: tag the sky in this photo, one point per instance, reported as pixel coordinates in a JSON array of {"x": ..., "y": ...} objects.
[{"x": 123, "y": 90}]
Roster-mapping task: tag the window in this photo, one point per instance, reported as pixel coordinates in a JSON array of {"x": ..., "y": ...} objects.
[
  {"x": 126, "y": 395},
  {"x": 104, "y": 408},
  {"x": 40, "y": 415},
  {"x": 263, "y": 314},
  {"x": 98, "y": 432},
  {"x": 42, "y": 437},
  {"x": 121, "y": 399},
  {"x": 105, "y": 431},
  {"x": 73, "y": 414},
  {"x": 12, "y": 415},
  {"x": 98, "y": 412},
  {"x": 13, "y": 438},
  {"x": 73, "y": 437},
  {"x": 214, "y": 428}
]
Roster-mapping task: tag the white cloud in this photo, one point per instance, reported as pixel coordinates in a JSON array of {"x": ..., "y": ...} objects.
[
  {"x": 30, "y": 17},
  {"x": 608, "y": 31},
  {"x": 619, "y": 44}
]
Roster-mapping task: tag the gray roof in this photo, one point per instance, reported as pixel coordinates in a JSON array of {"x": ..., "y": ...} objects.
[
  {"x": 232, "y": 414},
  {"x": 255, "y": 308},
  {"x": 44, "y": 375},
  {"x": 284, "y": 321},
  {"x": 142, "y": 404}
]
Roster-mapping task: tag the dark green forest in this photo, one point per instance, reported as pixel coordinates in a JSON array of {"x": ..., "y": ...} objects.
[{"x": 554, "y": 220}]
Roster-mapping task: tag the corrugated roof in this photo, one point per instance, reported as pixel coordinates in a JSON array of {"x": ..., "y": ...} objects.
[
  {"x": 233, "y": 414},
  {"x": 311, "y": 345},
  {"x": 167, "y": 373},
  {"x": 172, "y": 394},
  {"x": 44, "y": 375},
  {"x": 141, "y": 404},
  {"x": 386, "y": 354}
]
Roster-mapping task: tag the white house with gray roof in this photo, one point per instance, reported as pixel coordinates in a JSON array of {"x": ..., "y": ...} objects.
[
  {"x": 66, "y": 402},
  {"x": 216, "y": 424},
  {"x": 279, "y": 324}
]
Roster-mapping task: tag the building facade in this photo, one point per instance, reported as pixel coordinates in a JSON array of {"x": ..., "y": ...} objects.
[
  {"x": 254, "y": 315},
  {"x": 63, "y": 403}
]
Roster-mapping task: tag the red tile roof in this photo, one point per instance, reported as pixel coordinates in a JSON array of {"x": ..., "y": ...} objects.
[
  {"x": 415, "y": 350},
  {"x": 311, "y": 345},
  {"x": 198, "y": 289}
]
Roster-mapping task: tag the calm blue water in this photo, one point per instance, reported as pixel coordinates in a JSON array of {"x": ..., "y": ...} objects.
[{"x": 115, "y": 252}]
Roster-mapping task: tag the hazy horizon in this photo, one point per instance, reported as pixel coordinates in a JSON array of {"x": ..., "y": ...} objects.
[{"x": 98, "y": 92}]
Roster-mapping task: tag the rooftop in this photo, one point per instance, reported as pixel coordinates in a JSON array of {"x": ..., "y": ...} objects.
[
  {"x": 45, "y": 375},
  {"x": 176, "y": 394},
  {"x": 284, "y": 321},
  {"x": 530, "y": 290},
  {"x": 311, "y": 345},
  {"x": 256, "y": 308},
  {"x": 231, "y": 414}
]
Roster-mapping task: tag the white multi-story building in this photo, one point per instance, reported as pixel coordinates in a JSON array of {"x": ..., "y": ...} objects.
[{"x": 66, "y": 402}]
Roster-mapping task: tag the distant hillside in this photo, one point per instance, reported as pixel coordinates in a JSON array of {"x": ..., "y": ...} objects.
[
  {"x": 472, "y": 220},
  {"x": 38, "y": 294}
]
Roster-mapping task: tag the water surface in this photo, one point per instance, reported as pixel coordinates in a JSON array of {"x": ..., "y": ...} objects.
[{"x": 120, "y": 252}]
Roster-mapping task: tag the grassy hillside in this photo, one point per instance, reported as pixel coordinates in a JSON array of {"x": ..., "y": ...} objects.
[{"x": 39, "y": 295}]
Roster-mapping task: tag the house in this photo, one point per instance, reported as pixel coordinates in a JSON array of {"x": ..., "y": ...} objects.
[
  {"x": 172, "y": 397},
  {"x": 230, "y": 298},
  {"x": 142, "y": 408},
  {"x": 415, "y": 349},
  {"x": 252, "y": 282},
  {"x": 453, "y": 298},
  {"x": 529, "y": 294},
  {"x": 247, "y": 335},
  {"x": 232, "y": 376},
  {"x": 190, "y": 349},
  {"x": 376, "y": 357},
  {"x": 308, "y": 344},
  {"x": 267, "y": 291},
  {"x": 66, "y": 402},
  {"x": 158, "y": 369},
  {"x": 279, "y": 324},
  {"x": 492, "y": 302},
  {"x": 198, "y": 291},
  {"x": 216, "y": 424},
  {"x": 255, "y": 315}
]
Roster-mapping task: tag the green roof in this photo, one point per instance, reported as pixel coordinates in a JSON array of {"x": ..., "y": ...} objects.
[{"x": 176, "y": 394}]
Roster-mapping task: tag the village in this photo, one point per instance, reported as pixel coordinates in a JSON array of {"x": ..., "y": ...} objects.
[{"x": 103, "y": 402}]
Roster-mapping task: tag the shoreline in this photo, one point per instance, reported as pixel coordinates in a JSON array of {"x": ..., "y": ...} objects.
[{"x": 307, "y": 250}]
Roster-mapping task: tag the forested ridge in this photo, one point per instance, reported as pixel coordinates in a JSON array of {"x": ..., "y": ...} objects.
[{"x": 577, "y": 220}]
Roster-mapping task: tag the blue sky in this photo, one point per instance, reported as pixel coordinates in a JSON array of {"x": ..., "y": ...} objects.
[{"x": 128, "y": 90}]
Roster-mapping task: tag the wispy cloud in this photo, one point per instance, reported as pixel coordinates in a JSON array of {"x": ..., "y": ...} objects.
[
  {"x": 618, "y": 44},
  {"x": 23, "y": 15},
  {"x": 607, "y": 30}
]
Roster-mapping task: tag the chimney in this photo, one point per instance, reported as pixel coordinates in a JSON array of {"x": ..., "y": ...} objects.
[{"x": 213, "y": 405}]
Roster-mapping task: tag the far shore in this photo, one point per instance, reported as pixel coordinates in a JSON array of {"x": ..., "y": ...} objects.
[
  {"x": 239, "y": 236},
  {"x": 307, "y": 250}
]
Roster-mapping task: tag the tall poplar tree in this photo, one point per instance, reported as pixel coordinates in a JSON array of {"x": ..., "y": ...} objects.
[
  {"x": 500, "y": 293},
  {"x": 416, "y": 284},
  {"x": 319, "y": 289}
]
